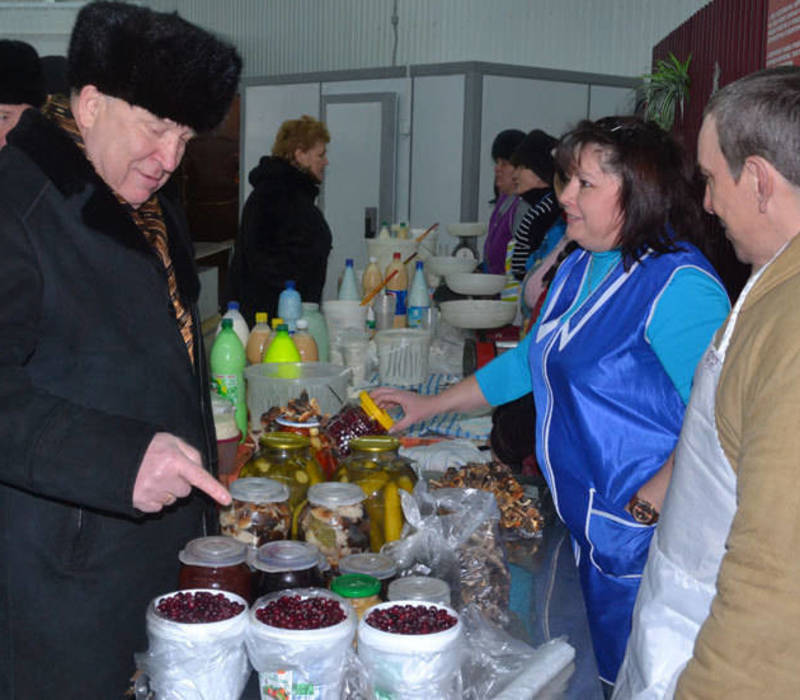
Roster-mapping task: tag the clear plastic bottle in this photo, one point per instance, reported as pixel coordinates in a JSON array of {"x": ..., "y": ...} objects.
[
  {"x": 240, "y": 326},
  {"x": 227, "y": 362},
  {"x": 398, "y": 286},
  {"x": 282, "y": 347},
  {"x": 305, "y": 343},
  {"x": 348, "y": 289},
  {"x": 384, "y": 233},
  {"x": 290, "y": 305},
  {"x": 258, "y": 338},
  {"x": 372, "y": 277},
  {"x": 418, "y": 300},
  {"x": 318, "y": 329}
]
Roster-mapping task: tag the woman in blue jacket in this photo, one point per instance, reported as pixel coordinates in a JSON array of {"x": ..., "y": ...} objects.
[{"x": 610, "y": 359}]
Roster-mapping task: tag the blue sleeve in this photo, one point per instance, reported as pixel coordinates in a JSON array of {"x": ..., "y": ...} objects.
[
  {"x": 508, "y": 376},
  {"x": 690, "y": 309}
]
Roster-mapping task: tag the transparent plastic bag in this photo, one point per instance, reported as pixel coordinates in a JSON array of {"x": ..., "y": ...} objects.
[
  {"x": 310, "y": 662},
  {"x": 201, "y": 661},
  {"x": 455, "y": 536}
]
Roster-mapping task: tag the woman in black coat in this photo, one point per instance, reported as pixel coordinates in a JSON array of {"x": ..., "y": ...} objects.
[{"x": 283, "y": 235}]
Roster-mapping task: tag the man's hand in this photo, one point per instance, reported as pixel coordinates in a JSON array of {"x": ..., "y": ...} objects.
[{"x": 169, "y": 470}]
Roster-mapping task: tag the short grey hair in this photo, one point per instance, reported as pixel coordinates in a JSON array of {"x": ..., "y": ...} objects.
[{"x": 759, "y": 115}]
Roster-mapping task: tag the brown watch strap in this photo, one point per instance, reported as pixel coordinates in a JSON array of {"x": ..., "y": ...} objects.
[{"x": 643, "y": 511}]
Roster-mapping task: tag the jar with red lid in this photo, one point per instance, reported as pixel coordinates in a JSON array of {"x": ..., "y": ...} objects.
[
  {"x": 217, "y": 562},
  {"x": 355, "y": 420},
  {"x": 320, "y": 444},
  {"x": 286, "y": 564}
]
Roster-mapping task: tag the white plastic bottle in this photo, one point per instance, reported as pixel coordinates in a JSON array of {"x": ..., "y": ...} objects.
[
  {"x": 384, "y": 234},
  {"x": 418, "y": 300},
  {"x": 240, "y": 326},
  {"x": 348, "y": 290},
  {"x": 290, "y": 305}
]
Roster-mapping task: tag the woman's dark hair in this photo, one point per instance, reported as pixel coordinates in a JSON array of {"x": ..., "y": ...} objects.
[{"x": 657, "y": 198}]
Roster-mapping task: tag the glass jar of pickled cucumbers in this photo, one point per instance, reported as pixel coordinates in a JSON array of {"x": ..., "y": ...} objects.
[
  {"x": 286, "y": 457},
  {"x": 376, "y": 467}
]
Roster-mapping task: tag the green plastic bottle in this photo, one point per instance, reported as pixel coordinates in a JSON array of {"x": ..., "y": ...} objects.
[
  {"x": 228, "y": 360},
  {"x": 282, "y": 347}
]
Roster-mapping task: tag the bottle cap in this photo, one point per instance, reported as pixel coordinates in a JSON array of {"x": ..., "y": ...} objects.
[
  {"x": 213, "y": 551},
  {"x": 282, "y": 327},
  {"x": 233, "y": 306},
  {"x": 373, "y": 259},
  {"x": 259, "y": 489},
  {"x": 286, "y": 555},
  {"x": 348, "y": 262},
  {"x": 356, "y": 586},
  {"x": 373, "y": 411},
  {"x": 276, "y": 321},
  {"x": 227, "y": 323},
  {"x": 289, "y": 284},
  {"x": 419, "y": 264},
  {"x": 261, "y": 316},
  {"x": 301, "y": 324},
  {"x": 378, "y": 565},
  {"x": 396, "y": 256},
  {"x": 334, "y": 493}
]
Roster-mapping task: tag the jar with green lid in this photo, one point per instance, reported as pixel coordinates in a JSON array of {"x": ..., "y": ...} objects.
[
  {"x": 360, "y": 590},
  {"x": 335, "y": 521},
  {"x": 376, "y": 467},
  {"x": 286, "y": 457}
]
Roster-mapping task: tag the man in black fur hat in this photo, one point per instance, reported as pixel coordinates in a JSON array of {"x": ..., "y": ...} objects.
[
  {"x": 21, "y": 83},
  {"x": 105, "y": 420}
]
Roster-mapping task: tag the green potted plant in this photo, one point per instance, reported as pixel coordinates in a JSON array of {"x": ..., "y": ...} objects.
[{"x": 664, "y": 88}]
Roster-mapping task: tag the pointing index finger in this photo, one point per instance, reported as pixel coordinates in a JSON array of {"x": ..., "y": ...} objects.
[{"x": 201, "y": 479}]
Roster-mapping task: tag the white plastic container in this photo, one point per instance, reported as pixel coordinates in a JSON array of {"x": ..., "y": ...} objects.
[
  {"x": 412, "y": 666},
  {"x": 286, "y": 659},
  {"x": 403, "y": 356},
  {"x": 240, "y": 326},
  {"x": 196, "y": 660},
  {"x": 423, "y": 589}
]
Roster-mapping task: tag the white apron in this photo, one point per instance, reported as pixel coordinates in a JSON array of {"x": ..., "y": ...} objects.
[{"x": 679, "y": 580}]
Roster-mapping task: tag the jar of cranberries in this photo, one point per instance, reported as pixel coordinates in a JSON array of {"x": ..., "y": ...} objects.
[
  {"x": 216, "y": 562},
  {"x": 355, "y": 420},
  {"x": 286, "y": 564}
]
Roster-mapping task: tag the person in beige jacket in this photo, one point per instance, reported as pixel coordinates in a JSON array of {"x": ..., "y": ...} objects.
[{"x": 718, "y": 610}]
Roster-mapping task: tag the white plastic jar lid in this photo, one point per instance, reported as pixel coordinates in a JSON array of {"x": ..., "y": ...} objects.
[
  {"x": 423, "y": 588},
  {"x": 286, "y": 555},
  {"x": 259, "y": 489},
  {"x": 370, "y": 563},
  {"x": 332, "y": 494},
  {"x": 213, "y": 551}
]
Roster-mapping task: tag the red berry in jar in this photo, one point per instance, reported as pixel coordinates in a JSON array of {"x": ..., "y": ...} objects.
[
  {"x": 292, "y": 612},
  {"x": 198, "y": 607},
  {"x": 411, "y": 619}
]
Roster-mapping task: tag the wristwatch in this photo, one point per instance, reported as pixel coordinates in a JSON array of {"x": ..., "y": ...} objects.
[{"x": 643, "y": 511}]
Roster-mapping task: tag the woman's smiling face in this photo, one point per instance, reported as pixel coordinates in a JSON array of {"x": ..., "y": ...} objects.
[{"x": 591, "y": 202}]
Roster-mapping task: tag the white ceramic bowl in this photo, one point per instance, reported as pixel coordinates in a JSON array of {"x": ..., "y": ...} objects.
[
  {"x": 476, "y": 283},
  {"x": 478, "y": 313},
  {"x": 472, "y": 228},
  {"x": 444, "y": 265}
]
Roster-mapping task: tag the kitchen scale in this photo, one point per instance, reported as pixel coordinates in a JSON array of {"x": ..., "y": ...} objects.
[{"x": 468, "y": 233}]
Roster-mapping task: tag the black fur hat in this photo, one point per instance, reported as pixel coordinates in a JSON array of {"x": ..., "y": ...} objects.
[
  {"x": 505, "y": 142},
  {"x": 154, "y": 60},
  {"x": 21, "y": 79},
  {"x": 535, "y": 152}
]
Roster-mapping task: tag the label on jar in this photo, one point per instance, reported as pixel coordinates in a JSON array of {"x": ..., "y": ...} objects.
[{"x": 278, "y": 684}]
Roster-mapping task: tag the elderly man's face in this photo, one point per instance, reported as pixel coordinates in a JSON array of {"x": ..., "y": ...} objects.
[
  {"x": 9, "y": 116},
  {"x": 133, "y": 150}
]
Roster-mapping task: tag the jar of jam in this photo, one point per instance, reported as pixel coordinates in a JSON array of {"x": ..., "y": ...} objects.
[
  {"x": 258, "y": 513},
  {"x": 286, "y": 564},
  {"x": 355, "y": 420},
  {"x": 216, "y": 562},
  {"x": 359, "y": 590},
  {"x": 335, "y": 521},
  {"x": 320, "y": 444},
  {"x": 286, "y": 457},
  {"x": 376, "y": 467},
  {"x": 378, "y": 566}
]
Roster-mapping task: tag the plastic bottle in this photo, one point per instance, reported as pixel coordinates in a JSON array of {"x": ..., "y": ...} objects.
[
  {"x": 403, "y": 230},
  {"x": 318, "y": 328},
  {"x": 258, "y": 338},
  {"x": 418, "y": 300},
  {"x": 290, "y": 305},
  {"x": 282, "y": 347},
  {"x": 227, "y": 371},
  {"x": 348, "y": 289},
  {"x": 398, "y": 286},
  {"x": 305, "y": 343},
  {"x": 240, "y": 326},
  {"x": 384, "y": 233},
  {"x": 372, "y": 277}
]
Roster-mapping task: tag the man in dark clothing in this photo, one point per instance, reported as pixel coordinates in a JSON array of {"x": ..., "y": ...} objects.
[
  {"x": 104, "y": 406},
  {"x": 21, "y": 83}
]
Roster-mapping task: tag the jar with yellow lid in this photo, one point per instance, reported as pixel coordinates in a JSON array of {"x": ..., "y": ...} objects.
[
  {"x": 381, "y": 472},
  {"x": 286, "y": 457},
  {"x": 355, "y": 420}
]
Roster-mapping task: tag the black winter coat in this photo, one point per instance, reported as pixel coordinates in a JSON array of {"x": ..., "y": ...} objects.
[
  {"x": 92, "y": 365},
  {"x": 283, "y": 236}
]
